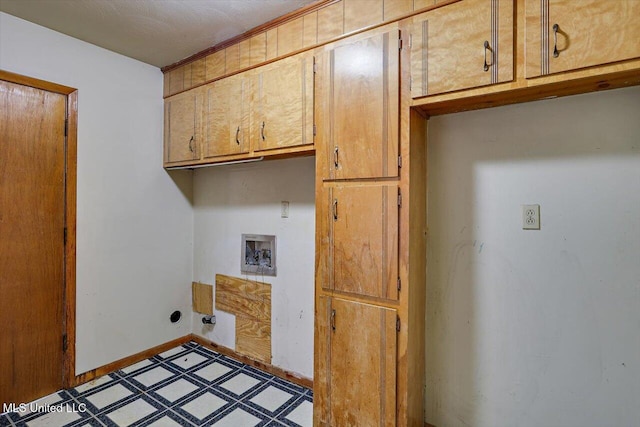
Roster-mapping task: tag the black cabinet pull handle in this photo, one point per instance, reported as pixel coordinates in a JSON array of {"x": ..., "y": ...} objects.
[
  {"x": 335, "y": 209},
  {"x": 262, "y": 131},
  {"x": 335, "y": 157},
  {"x": 237, "y": 133},
  {"x": 333, "y": 320},
  {"x": 486, "y": 48},
  {"x": 191, "y": 144},
  {"x": 556, "y": 52}
]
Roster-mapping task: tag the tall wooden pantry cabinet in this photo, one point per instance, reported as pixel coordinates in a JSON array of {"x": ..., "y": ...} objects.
[{"x": 370, "y": 234}]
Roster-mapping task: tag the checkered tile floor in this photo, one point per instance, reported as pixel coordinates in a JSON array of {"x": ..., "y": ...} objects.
[{"x": 186, "y": 386}]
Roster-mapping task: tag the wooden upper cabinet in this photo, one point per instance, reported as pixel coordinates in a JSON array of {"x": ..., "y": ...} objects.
[
  {"x": 364, "y": 240},
  {"x": 282, "y": 104},
  {"x": 355, "y": 364},
  {"x": 182, "y": 117},
  {"x": 460, "y": 46},
  {"x": 226, "y": 118},
  {"x": 564, "y": 35},
  {"x": 357, "y": 114}
]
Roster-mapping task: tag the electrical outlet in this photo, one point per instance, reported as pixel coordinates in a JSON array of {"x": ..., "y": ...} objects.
[
  {"x": 531, "y": 217},
  {"x": 284, "y": 209}
]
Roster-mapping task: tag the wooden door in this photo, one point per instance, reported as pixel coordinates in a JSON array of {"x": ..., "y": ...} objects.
[
  {"x": 364, "y": 240},
  {"x": 226, "y": 121},
  {"x": 182, "y": 127},
  {"x": 358, "y": 357},
  {"x": 588, "y": 33},
  {"x": 32, "y": 249},
  {"x": 282, "y": 107},
  {"x": 461, "y": 46},
  {"x": 359, "y": 106}
]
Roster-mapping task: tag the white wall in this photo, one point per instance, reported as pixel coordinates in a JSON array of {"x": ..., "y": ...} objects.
[
  {"x": 135, "y": 225},
  {"x": 535, "y": 328},
  {"x": 232, "y": 200}
]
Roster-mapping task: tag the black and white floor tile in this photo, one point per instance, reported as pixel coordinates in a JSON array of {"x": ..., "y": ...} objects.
[{"x": 186, "y": 386}]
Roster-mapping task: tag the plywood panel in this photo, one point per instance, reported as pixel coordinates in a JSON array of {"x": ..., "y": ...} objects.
[
  {"x": 396, "y": 8},
  {"x": 361, "y": 13},
  {"x": 232, "y": 59},
  {"x": 215, "y": 65},
  {"x": 243, "y": 298},
  {"x": 253, "y": 338},
  {"x": 310, "y": 29},
  {"x": 290, "y": 36},
  {"x": 330, "y": 22},
  {"x": 250, "y": 302},
  {"x": 272, "y": 44},
  {"x": 202, "y": 298}
]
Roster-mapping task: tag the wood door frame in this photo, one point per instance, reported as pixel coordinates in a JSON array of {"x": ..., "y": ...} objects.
[{"x": 71, "y": 145}]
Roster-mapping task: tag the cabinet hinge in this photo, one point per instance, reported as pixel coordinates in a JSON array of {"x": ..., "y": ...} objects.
[
  {"x": 399, "y": 284},
  {"x": 64, "y": 342},
  {"x": 398, "y": 324},
  {"x": 66, "y": 127},
  {"x": 399, "y": 161},
  {"x": 399, "y": 199}
]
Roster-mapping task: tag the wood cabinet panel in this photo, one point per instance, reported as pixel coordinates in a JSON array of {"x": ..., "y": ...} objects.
[
  {"x": 258, "y": 46},
  {"x": 215, "y": 65},
  {"x": 245, "y": 53},
  {"x": 226, "y": 121},
  {"x": 364, "y": 240},
  {"x": 290, "y": 36},
  {"x": 589, "y": 33},
  {"x": 272, "y": 43},
  {"x": 330, "y": 22},
  {"x": 310, "y": 30},
  {"x": 232, "y": 59},
  {"x": 358, "y": 110},
  {"x": 396, "y": 8},
  {"x": 282, "y": 104},
  {"x": 360, "y": 353},
  {"x": 182, "y": 115},
  {"x": 461, "y": 46},
  {"x": 198, "y": 69},
  {"x": 361, "y": 13},
  {"x": 176, "y": 80},
  {"x": 421, "y": 4}
]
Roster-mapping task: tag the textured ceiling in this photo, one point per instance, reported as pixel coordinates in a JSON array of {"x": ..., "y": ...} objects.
[{"x": 158, "y": 32}]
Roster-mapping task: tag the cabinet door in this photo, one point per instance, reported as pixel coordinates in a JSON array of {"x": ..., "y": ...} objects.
[
  {"x": 182, "y": 127},
  {"x": 359, "y": 107},
  {"x": 282, "y": 105},
  {"x": 226, "y": 117},
  {"x": 364, "y": 240},
  {"x": 461, "y": 46},
  {"x": 357, "y": 364},
  {"x": 563, "y": 35}
]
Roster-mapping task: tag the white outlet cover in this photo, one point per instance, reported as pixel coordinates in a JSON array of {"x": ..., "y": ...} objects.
[
  {"x": 284, "y": 209},
  {"x": 531, "y": 217}
]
